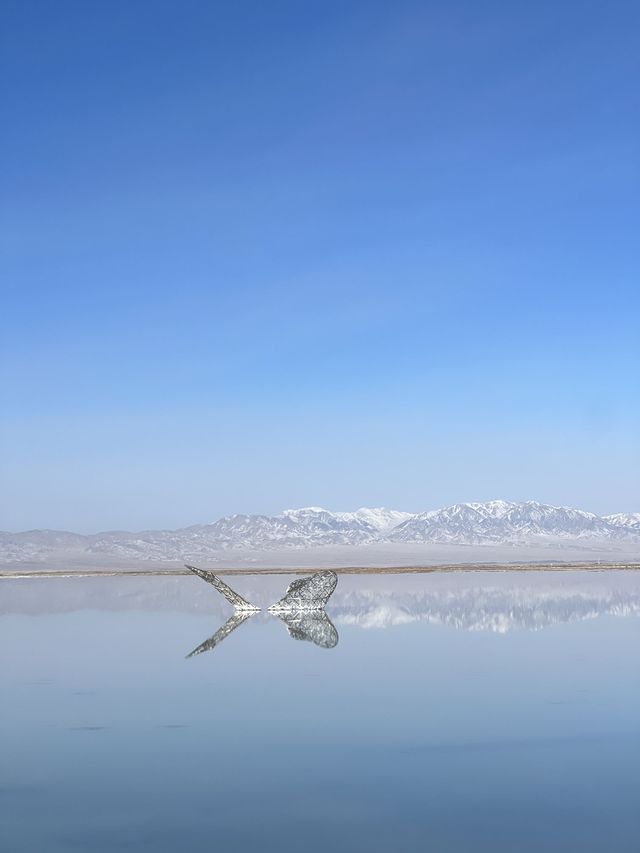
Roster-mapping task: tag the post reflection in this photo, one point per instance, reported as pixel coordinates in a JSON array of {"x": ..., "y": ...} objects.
[{"x": 234, "y": 621}]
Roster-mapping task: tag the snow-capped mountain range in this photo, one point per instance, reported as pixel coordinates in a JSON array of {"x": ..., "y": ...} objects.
[{"x": 494, "y": 522}]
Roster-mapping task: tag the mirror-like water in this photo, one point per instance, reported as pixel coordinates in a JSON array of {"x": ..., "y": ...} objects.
[{"x": 471, "y": 711}]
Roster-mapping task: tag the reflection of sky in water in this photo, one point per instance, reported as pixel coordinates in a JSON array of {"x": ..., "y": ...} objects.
[{"x": 438, "y": 733}]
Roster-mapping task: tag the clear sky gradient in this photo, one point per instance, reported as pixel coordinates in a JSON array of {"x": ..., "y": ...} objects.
[{"x": 270, "y": 254}]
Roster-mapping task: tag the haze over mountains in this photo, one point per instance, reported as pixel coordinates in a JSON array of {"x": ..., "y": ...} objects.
[{"x": 498, "y": 522}]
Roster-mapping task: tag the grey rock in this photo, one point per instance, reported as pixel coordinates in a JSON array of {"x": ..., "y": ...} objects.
[{"x": 307, "y": 593}]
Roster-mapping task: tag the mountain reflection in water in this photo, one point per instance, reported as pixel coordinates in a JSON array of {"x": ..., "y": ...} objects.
[
  {"x": 468, "y": 601},
  {"x": 487, "y": 608}
]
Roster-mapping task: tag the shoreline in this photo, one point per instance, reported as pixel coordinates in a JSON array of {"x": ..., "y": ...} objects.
[{"x": 343, "y": 570}]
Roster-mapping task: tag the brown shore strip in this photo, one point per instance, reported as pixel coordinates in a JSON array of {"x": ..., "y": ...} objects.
[{"x": 343, "y": 570}]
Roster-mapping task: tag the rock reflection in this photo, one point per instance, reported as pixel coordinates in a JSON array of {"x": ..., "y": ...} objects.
[{"x": 315, "y": 627}]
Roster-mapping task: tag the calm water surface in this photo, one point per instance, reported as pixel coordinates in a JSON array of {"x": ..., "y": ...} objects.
[{"x": 463, "y": 712}]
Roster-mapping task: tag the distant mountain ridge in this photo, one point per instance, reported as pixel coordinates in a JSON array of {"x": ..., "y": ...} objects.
[
  {"x": 493, "y": 522},
  {"x": 502, "y": 522}
]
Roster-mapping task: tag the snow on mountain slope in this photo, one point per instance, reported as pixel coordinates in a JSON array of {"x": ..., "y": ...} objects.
[
  {"x": 380, "y": 519},
  {"x": 503, "y": 521},
  {"x": 16, "y": 547},
  {"x": 493, "y": 522},
  {"x": 628, "y": 520}
]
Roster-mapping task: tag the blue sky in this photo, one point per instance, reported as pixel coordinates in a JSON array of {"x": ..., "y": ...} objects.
[{"x": 259, "y": 255}]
